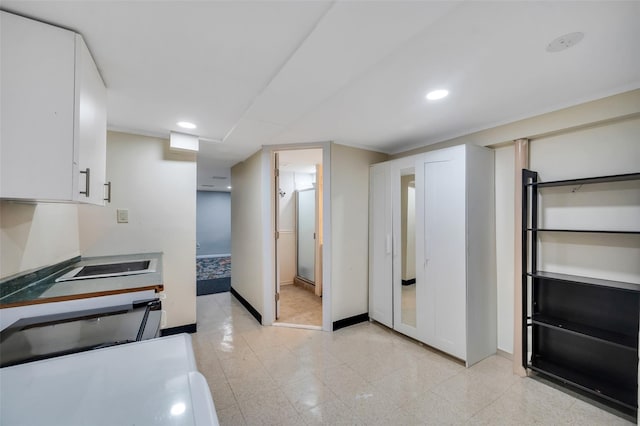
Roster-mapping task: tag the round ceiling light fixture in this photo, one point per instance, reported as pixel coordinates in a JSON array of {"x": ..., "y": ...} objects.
[
  {"x": 564, "y": 42},
  {"x": 434, "y": 95},
  {"x": 186, "y": 125}
]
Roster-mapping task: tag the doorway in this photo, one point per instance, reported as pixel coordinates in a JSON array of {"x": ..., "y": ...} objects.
[{"x": 299, "y": 237}]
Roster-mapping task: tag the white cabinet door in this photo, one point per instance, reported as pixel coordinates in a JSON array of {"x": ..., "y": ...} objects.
[
  {"x": 440, "y": 188},
  {"x": 91, "y": 128},
  {"x": 380, "y": 245},
  {"x": 53, "y": 114},
  {"x": 37, "y": 110}
]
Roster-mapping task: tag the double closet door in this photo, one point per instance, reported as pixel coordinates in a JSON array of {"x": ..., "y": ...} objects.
[{"x": 432, "y": 264}]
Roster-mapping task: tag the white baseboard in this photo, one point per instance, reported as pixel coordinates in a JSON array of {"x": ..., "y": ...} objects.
[{"x": 504, "y": 354}]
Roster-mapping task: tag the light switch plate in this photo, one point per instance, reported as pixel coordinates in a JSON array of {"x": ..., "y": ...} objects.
[{"x": 123, "y": 215}]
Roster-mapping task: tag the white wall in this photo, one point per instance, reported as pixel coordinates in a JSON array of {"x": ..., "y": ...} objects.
[
  {"x": 36, "y": 235},
  {"x": 350, "y": 229},
  {"x": 304, "y": 180},
  {"x": 246, "y": 230},
  {"x": 505, "y": 234},
  {"x": 610, "y": 148},
  {"x": 598, "y": 151},
  {"x": 158, "y": 188}
]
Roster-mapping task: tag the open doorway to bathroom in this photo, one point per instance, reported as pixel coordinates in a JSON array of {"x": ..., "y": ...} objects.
[{"x": 299, "y": 237}]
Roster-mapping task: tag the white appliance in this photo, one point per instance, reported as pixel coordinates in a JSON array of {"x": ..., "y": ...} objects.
[{"x": 149, "y": 382}]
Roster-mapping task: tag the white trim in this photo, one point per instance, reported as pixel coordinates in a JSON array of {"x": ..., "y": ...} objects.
[
  {"x": 504, "y": 354},
  {"x": 302, "y": 326},
  {"x": 211, "y": 256},
  {"x": 327, "y": 300},
  {"x": 268, "y": 242}
]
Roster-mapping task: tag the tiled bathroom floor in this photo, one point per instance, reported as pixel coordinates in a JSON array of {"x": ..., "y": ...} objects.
[
  {"x": 299, "y": 306},
  {"x": 361, "y": 375}
]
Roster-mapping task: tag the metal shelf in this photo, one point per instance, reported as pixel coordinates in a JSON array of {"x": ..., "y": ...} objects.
[
  {"x": 585, "y": 181},
  {"x": 622, "y": 285},
  {"x": 581, "y": 329},
  {"x": 589, "y": 383},
  {"x": 588, "y": 231},
  {"x": 605, "y": 336}
]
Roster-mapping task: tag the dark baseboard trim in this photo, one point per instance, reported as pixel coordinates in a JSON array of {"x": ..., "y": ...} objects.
[
  {"x": 409, "y": 282},
  {"x": 213, "y": 286},
  {"x": 247, "y": 305},
  {"x": 346, "y": 322},
  {"x": 189, "y": 328}
]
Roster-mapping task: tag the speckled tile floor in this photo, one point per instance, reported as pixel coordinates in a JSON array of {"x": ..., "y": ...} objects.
[{"x": 361, "y": 375}]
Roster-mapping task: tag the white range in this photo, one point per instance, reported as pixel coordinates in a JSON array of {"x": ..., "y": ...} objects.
[{"x": 152, "y": 382}]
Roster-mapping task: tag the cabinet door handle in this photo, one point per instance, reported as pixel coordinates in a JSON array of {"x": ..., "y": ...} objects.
[
  {"x": 87, "y": 176},
  {"x": 108, "y": 185},
  {"x": 388, "y": 244}
]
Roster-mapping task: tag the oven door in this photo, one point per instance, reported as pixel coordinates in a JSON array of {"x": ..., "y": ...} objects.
[{"x": 36, "y": 338}]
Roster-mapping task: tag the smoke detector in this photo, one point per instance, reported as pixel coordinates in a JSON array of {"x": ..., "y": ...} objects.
[{"x": 564, "y": 42}]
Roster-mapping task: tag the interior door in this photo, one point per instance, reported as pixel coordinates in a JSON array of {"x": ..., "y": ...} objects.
[{"x": 276, "y": 228}]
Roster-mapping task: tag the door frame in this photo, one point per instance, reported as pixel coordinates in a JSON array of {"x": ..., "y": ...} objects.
[
  {"x": 268, "y": 230},
  {"x": 275, "y": 187}
]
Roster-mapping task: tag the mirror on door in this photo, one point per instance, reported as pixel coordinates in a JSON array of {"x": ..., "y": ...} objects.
[{"x": 408, "y": 246}]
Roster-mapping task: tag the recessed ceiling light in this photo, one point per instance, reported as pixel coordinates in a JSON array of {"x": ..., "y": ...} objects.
[
  {"x": 437, "y": 94},
  {"x": 564, "y": 42},
  {"x": 186, "y": 125},
  {"x": 228, "y": 187}
]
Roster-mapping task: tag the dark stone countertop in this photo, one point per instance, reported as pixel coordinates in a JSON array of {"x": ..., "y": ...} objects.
[{"x": 39, "y": 286}]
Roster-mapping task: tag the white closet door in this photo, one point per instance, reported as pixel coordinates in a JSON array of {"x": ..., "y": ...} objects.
[
  {"x": 443, "y": 246},
  {"x": 380, "y": 245}
]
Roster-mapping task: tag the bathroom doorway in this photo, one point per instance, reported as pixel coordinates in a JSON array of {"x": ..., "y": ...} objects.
[{"x": 299, "y": 237}]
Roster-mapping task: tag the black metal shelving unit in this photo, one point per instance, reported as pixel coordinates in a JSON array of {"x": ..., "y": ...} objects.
[{"x": 581, "y": 331}]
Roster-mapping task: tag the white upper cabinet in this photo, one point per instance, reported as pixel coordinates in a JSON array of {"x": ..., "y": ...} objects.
[
  {"x": 53, "y": 115},
  {"x": 90, "y": 128}
]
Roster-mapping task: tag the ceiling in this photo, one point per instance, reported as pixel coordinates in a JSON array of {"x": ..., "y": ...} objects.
[{"x": 251, "y": 73}]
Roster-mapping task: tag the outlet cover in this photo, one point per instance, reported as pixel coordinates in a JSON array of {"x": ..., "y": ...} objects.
[{"x": 123, "y": 215}]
